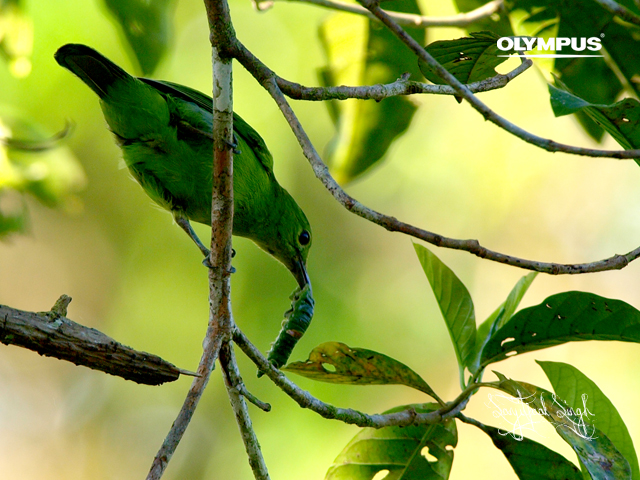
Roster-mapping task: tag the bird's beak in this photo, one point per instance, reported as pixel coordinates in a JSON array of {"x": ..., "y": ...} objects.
[{"x": 299, "y": 271}]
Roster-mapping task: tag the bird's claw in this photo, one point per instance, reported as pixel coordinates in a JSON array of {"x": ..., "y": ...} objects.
[
  {"x": 207, "y": 263},
  {"x": 234, "y": 145}
]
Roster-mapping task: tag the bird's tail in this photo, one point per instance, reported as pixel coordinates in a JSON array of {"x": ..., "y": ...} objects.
[{"x": 91, "y": 67}]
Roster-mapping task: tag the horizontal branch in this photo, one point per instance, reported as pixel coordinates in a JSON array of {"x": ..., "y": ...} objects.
[
  {"x": 53, "y": 335},
  {"x": 346, "y": 415},
  {"x": 402, "y": 86},
  {"x": 410, "y": 20}
]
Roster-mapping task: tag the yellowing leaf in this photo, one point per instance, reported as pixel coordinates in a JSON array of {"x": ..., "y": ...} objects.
[{"x": 335, "y": 362}]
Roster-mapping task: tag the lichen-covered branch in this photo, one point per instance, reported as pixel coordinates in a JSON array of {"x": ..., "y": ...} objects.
[
  {"x": 402, "y": 86},
  {"x": 52, "y": 334}
]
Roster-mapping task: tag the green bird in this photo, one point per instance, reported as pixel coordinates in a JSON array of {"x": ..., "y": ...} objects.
[{"x": 164, "y": 131}]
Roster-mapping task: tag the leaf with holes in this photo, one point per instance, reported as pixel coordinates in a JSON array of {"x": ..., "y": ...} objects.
[
  {"x": 531, "y": 460},
  {"x": 455, "y": 304},
  {"x": 595, "y": 450},
  {"x": 561, "y": 318},
  {"x": 415, "y": 452},
  {"x": 335, "y": 362},
  {"x": 147, "y": 28},
  {"x": 580, "y": 392},
  {"x": 621, "y": 119},
  {"x": 469, "y": 59},
  {"x": 499, "y": 317}
]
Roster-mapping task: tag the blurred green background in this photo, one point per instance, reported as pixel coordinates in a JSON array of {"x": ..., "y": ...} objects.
[{"x": 134, "y": 275}]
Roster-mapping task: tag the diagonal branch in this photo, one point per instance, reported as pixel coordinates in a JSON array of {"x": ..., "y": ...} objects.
[
  {"x": 234, "y": 384},
  {"x": 484, "y": 110},
  {"x": 460, "y": 20},
  {"x": 268, "y": 80},
  {"x": 620, "y": 10},
  {"x": 348, "y": 415}
]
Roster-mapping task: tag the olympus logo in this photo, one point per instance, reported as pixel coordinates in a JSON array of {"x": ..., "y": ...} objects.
[{"x": 556, "y": 44}]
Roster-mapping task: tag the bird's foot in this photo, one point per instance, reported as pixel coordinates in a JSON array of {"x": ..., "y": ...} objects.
[
  {"x": 207, "y": 263},
  {"x": 234, "y": 145}
]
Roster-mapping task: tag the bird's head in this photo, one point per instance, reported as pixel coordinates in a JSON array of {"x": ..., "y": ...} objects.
[{"x": 292, "y": 238}]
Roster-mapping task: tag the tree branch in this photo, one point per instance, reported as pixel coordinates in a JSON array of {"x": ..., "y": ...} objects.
[
  {"x": 53, "y": 335},
  {"x": 402, "y": 86},
  {"x": 484, "y": 110},
  {"x": 346, "y": 415},
  {"x": 407, "y": 19},
  {"x": 619, "y": 10},
  {"x": 268, "y": 80},
  {"x": 220, "y": 321},
  {"x": 235, "y": 387}
]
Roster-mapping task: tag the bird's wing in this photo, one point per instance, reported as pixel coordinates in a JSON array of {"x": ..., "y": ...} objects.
[{"x": 240, "y": 127}]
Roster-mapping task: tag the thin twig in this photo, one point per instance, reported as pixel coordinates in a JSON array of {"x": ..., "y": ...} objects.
[
  {"x": 620, "y": 10},
  {"x": 346, "y": 415},
  {"x": 220, "y": 321},
  {"x": 460, "y": 20},
  {"x": 268, "y": 80},
  {"x": 402, "y": 86},
  {"x": 233, "y": 380},
  {"x": 484, "y": 110}
]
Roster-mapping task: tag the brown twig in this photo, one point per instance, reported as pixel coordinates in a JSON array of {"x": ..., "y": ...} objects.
[{"x": 235, "y": 387}]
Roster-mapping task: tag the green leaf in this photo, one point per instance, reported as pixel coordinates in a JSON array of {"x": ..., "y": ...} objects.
[
  {"x": 594, "y": 449},
  {"x": 499, "y": 317},
  {"x": 335, "y": 362},
  {"x": 531, "y": 460},
  {"x": 33, "y": 162},
  {"x": 621, "y": 119},
  {"x": 581, "y": 393},
  {"x": 561, "y": 318},
  {"x": 361, "y": 51},
  {"x": 469, "y": 59},
  {"x": 402, "y": 451},
  {"x": 146, "y": 25},
  {"x": 16, "y": 37},
  {"x": 455, "y": 304},
  {"x": 13, "y": 221}
]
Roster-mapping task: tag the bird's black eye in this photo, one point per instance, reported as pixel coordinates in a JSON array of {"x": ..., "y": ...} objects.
[{"x": 304, "y": 238}]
